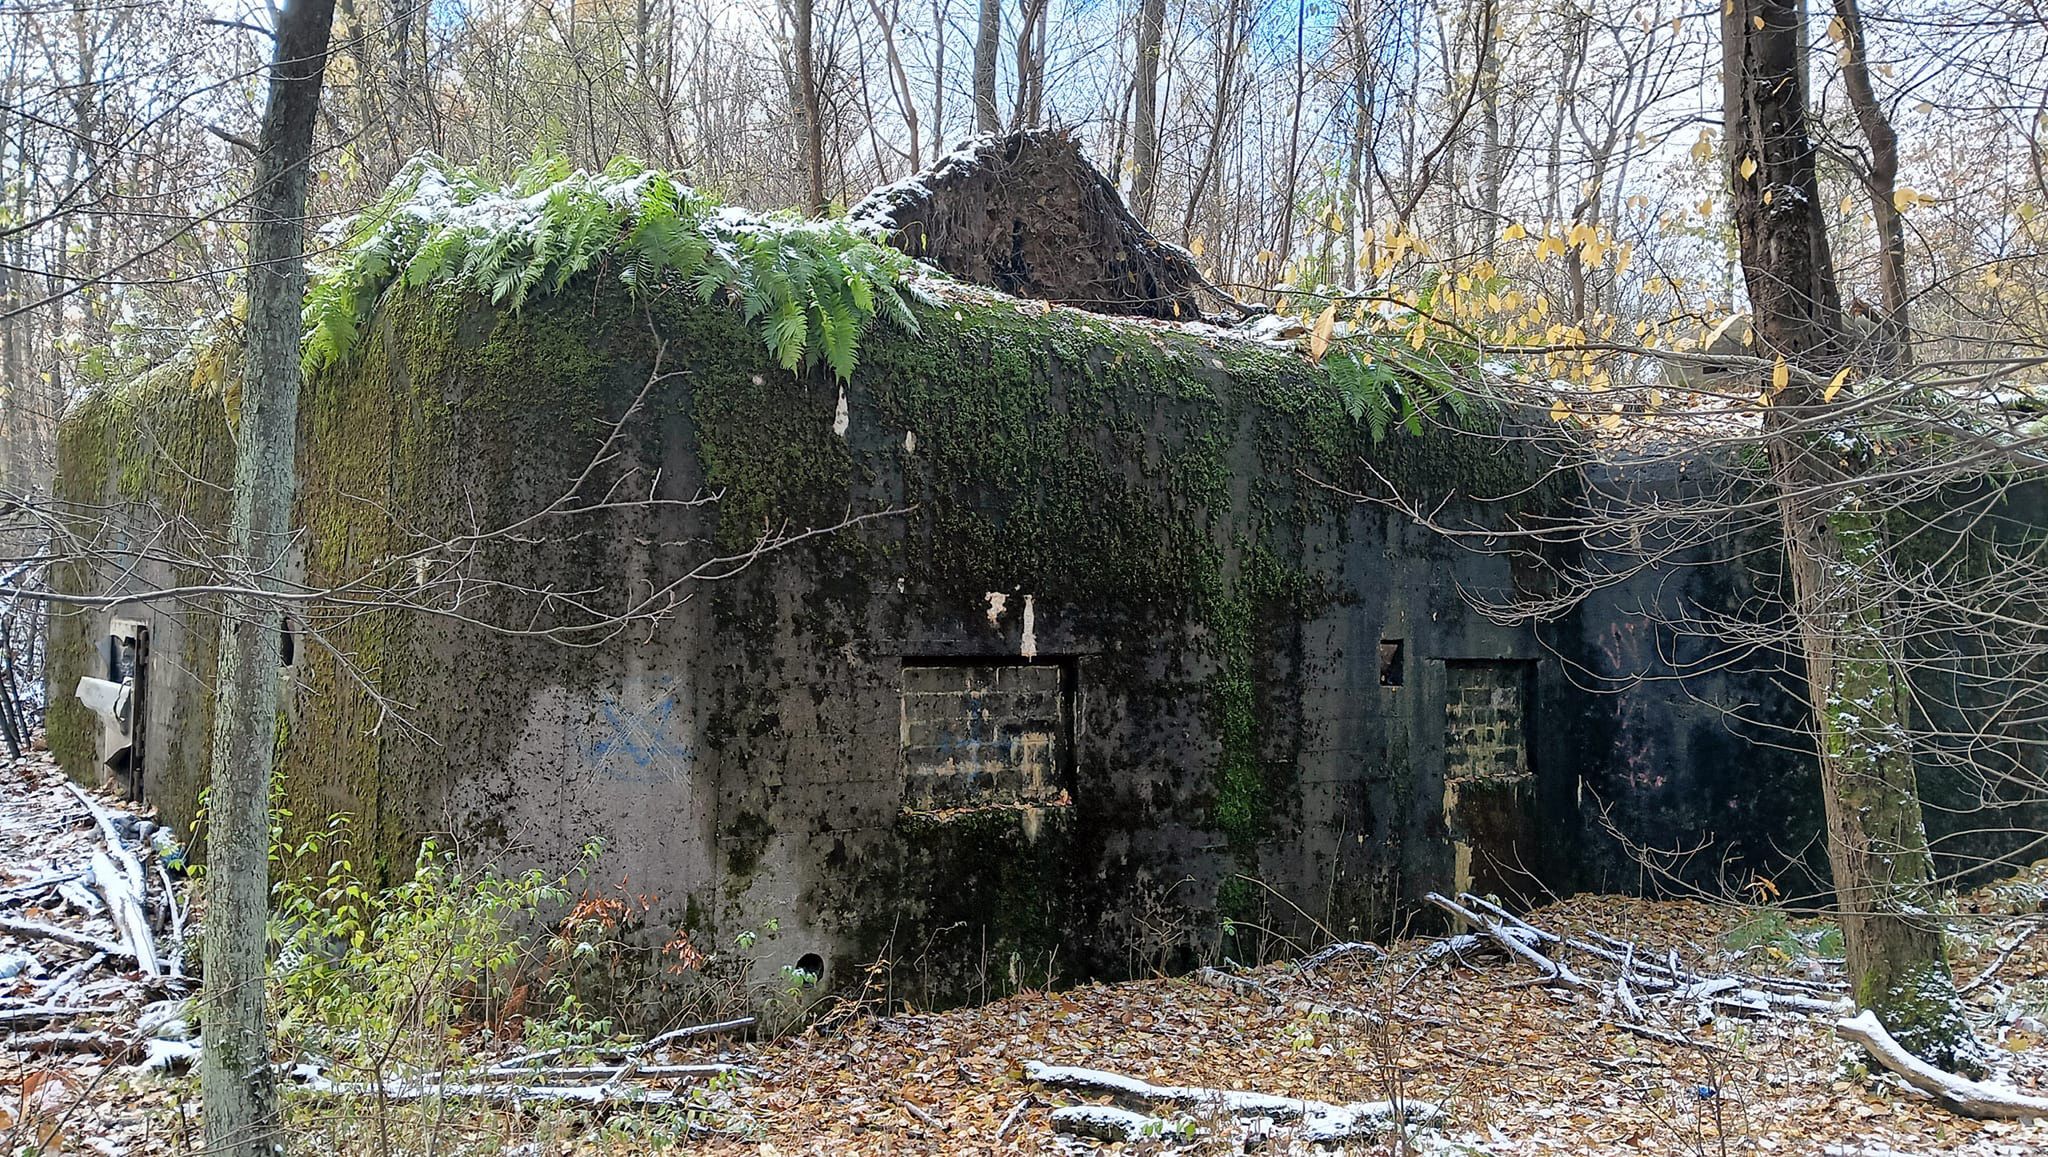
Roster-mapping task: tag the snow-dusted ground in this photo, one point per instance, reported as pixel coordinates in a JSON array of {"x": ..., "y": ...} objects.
[
  {"x": 1515, "y": 1067},
  {"x": 84, "y": 1030}
]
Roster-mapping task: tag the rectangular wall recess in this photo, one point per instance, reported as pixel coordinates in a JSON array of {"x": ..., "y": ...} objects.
[{"x": 979, "y": 733}]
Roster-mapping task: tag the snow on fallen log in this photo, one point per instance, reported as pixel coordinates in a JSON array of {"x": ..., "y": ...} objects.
[
  {"x": 1320, "y": 1120},
  {"x": 1109, "y": 1123},
  {"x": 1960, "y": 1094},
  {"x": 612, "y": 1072},
  {"x": 399, "y": 1089}
]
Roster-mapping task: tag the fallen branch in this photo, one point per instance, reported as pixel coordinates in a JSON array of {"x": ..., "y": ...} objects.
[
  {"x": 2004, "y": 955},
  {"x": 1335, "y": 952},
  {"x": 673, "y": 1035},
  {"x": 1960, "y": 1094},
  {"x": 39, "y": 1013},
  {"x": 72, "y": 975},
  {"x": 627, "y": 1050},
  {"x": 20, "y": 891},
  {"x": 559, "y": 1073},
  {"x": 1004, "y": 1129},
  {"x": 1320, "y": 1120},
  {"x": 1241, "y": 985},
  {"x": 98, "y": 1043},
  {"x": 125, "y": 907},
  {"x": 124, "y": 890},
  {"x": 1553, "y": 971},
  {"x": 74, "y": 938}
]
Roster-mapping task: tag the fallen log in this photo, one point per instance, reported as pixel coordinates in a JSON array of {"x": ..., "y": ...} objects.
[
  {"x": 1109, "y": 1123},
  {"x": 490, "y": 1093},
  {"x": 1320, "y": 1120},
  {"x": 1959, "y": 1094}
]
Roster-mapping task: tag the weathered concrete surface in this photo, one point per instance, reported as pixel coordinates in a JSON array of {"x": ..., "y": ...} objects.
[{"x": 1201, "y": 676}]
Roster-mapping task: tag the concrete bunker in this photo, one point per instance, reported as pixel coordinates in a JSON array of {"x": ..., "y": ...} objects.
[{"x": 1119, "y": 686}]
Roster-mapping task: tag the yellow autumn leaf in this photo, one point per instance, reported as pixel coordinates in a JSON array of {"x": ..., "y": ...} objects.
[
  {"x": 1904, "y": 199},
  {"x": 1781, "y": 375},
  {"x": 1702, "y": 148},
  {"x": 1196, "y": 245},
  {"x": 1514, "y": 232},
  {"x": 1418, "y": 335},
  {"x": 1611, "y": 422},
  {"x": 1837, "y": 31},
  {"x": 1559, "y": 411},
  {"x": 1835, "y": 384},
  {"x": 1848, "y": 204},
  {"x": 1748, "y": 168},
  {"x": 1319, "y": 338}
]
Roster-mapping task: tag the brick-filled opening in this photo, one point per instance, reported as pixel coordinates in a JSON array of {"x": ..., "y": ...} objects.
[
  {"x": 1486, "y": 718},
  {"x": 978, "y": 732}
]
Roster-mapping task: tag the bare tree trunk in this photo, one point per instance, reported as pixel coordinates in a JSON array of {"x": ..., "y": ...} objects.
[
  {"x": 988, "y": 39},
  {"x": 1226, "y": 85},
  {"x": 1145, "y": 114},
  {"x": 1030, "y": 65},
  {"x": 939, "y": 30},
  {"x": 1877, "y": 847},
  {"x": 235, "y": 1080},
  {"x": 1490, "y": 157},
  {"x": 1880, "y": 182},
  {"x": 899, "y": 80},
  {"x": 809, "y": 106},
  {"x": 1290, "y": 181}
]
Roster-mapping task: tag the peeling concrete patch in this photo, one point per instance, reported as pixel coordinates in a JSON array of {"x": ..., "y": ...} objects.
[
  {"x": 1029, "y": 648},
  {"x": 997, "y": 600},
  {"x": 842, "y": 420}
]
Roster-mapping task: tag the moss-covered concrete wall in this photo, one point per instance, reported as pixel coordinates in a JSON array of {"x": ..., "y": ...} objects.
[{"x": 1239, "y": 767}]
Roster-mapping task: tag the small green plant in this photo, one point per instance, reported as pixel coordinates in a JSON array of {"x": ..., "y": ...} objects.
[
  {"x": 811, "y": 286},
  {"x": 1379, "y": 392},
  {"x": 1768, "y": 929}
]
